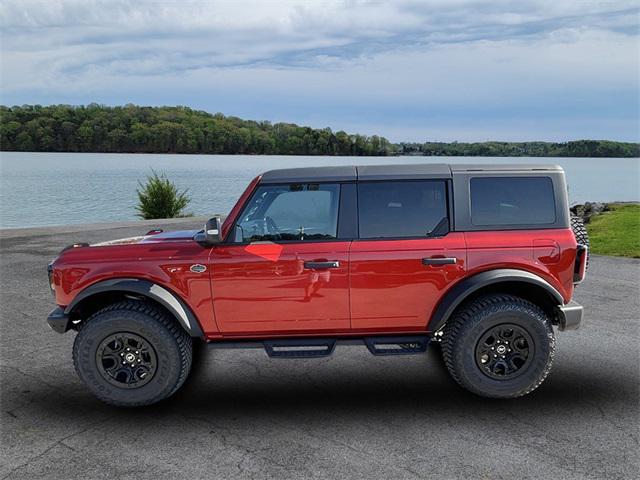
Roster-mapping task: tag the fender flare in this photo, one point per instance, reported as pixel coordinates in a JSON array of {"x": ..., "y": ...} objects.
[
  {"x": 176, "y": 306},
  {"x": 459, "y": 292}
]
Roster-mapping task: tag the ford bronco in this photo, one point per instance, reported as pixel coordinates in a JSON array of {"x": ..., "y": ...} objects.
[{"x": 482, "y": 259}]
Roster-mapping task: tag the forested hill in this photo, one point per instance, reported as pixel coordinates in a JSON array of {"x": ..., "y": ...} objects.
[
  {"x": 578, "y": 148},
  {"x": 96, "y": 128},
  {"x": 134, "y": 129}
]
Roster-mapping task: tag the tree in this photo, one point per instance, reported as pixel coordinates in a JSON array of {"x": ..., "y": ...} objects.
[{"x": 160, "y": 198}]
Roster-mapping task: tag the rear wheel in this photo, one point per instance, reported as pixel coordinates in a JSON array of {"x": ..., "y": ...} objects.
[
  {"x": 132, "y": 353},
  {"x": 499, "y": 346}
]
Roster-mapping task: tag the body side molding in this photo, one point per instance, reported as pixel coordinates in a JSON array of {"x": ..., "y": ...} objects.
[
  {"x": 459, "y": 292},
  {"x": 148, "y": 289}
]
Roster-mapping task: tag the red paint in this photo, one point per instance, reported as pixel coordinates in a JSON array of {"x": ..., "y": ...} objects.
[
  {"x": 391, "y": 288},
  {"x": 263, "y": 289},
  {"x": 530, "y": 250},
  {"x": 163, "y": 262}
]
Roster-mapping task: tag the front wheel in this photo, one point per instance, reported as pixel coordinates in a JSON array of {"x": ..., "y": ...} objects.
[
  {"x": 499, "y": 346},
  {"x": 131, "y": 354}
]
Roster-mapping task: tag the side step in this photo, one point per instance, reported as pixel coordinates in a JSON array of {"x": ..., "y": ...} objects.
[
  {"x": 323, "y": 347},
  {"x": 405, "y": 345},
  {"x": 300, "y": 348}
]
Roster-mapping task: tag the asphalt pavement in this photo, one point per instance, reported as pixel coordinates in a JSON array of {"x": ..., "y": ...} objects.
[{"x": 351, "y": 415}]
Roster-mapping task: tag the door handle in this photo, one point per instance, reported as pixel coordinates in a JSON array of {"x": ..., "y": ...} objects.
[
  {"x": 440, "y": 261},
  {"x": 321, "y": 265}
]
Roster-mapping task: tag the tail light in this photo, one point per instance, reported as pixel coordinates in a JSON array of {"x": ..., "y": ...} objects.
[{"x": 580, "y": 267}]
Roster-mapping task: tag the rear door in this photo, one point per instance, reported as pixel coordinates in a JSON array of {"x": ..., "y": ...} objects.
[
  {"x": 405, "y": 256},
  {"x": 287, "y": 270}
]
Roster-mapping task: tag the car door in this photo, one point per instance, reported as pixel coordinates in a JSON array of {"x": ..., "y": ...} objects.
[
  {"x": 286, "y": 270},
  {"x": 405, "y": 256}
]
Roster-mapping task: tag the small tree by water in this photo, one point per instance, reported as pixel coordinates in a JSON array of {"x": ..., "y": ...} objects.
[{"x": 160, "y": 198}]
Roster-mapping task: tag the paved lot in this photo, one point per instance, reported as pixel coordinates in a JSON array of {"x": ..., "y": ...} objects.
[{"x": 242, "y": 415}]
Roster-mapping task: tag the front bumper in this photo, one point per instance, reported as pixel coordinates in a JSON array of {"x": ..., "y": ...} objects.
[
  {"x": 570, "y": 315},
  {"x": 58, "y": 320}
]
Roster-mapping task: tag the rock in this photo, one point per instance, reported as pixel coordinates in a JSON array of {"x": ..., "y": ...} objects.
[{"x": 589, "y": 209}]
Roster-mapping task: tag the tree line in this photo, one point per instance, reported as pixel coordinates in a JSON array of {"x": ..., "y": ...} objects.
[
  {"x": 578, "y": 148},
  {"x": 136, "y": 129}
]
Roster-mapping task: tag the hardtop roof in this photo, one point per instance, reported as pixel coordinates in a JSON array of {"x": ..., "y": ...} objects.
[{"x": 391, "y": 172}]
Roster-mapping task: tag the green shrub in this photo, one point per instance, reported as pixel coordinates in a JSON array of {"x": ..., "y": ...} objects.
[{"x": 160, "y": 198}]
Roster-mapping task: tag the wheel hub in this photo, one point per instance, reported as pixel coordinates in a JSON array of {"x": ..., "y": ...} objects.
[
  {"x": 504, "y": 351},
  {"x": 126, "y": 360}
]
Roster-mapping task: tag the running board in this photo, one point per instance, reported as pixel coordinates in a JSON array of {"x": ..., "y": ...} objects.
[
  {"x": 405, "y": 345},
  {"x": 322, "y": 347},
  {"x": 300, "y": 348}
]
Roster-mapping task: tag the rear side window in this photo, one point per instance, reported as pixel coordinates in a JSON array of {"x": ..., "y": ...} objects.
[
  {"x": 512, "y": 201},
  {"x": 402, "y": 209}
]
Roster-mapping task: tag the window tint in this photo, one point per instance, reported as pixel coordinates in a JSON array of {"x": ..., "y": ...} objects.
[
  {"x": 290, "y": 212},
  {"x": 401, "y": 209},
  {"x": 512, "y": 201}
]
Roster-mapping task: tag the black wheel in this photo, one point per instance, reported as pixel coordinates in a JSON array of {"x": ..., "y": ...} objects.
[
  {"x": 499, "y": 346},
  {"x": 580, "y": 232},
  {"x": 132, "y": 353}
]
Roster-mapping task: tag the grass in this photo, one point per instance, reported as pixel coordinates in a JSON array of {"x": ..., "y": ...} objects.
[{"x": 616, "y": 232}]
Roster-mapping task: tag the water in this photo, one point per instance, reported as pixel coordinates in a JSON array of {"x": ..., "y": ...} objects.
[{"x": 38, "y": 189}]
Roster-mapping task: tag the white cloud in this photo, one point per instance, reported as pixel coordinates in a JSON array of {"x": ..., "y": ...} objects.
[{"x": 416, "y": 60}]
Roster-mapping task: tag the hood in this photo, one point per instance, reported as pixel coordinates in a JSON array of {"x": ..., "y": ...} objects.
[{"x": 178, "y": 235}]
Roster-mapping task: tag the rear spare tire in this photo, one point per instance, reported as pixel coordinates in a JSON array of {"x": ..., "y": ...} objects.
[
  {"x": 132, "y": 353},
  {"x": 499, "y": 346},
  {"x": 580, "y": 232}
]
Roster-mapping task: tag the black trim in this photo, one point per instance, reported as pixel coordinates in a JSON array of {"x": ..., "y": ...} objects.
[
  {"x": 348, "y": 212},
  {"x": 165, "y": 297},
  {"x": 58, "y": 320},
  {"x": 459, "y": 292}
]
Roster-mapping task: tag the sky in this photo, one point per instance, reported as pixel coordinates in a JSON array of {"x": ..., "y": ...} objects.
[{"x": 432, "y": 70}]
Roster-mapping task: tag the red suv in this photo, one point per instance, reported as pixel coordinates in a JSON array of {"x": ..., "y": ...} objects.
[{"x": 482, "y": 259}]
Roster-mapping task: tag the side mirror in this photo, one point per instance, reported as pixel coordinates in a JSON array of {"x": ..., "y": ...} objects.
[{"x": 212, "y": 233}]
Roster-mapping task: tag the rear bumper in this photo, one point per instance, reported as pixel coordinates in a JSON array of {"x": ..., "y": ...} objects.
[
  {"x": 570, "y": 315},
  {"x": 58, "y": 320}
]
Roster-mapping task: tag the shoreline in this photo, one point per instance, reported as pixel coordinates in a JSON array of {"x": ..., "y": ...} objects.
[{"x": 391, "y": 155}]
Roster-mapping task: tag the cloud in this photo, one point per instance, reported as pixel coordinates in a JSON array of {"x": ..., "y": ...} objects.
[{"x": 414, "y": 64}]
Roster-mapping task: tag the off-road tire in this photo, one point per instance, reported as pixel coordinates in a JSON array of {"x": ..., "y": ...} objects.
[
  {"x": 580, "y": 232},
  {"x": 171, "y": 344},
  {"x": 467, "y": 326}
]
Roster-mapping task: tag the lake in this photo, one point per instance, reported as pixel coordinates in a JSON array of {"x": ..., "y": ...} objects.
[{"x": 41, "y": 189}]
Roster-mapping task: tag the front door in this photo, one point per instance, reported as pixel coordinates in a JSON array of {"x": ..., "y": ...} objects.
[
  {"x": 405, "y": 256},
  {"x": 286, "y": 271}
]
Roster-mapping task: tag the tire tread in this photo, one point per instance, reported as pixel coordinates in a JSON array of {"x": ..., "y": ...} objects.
[
  {"x": 182, "y": 339},
  {"x": 463, "y": 319}
]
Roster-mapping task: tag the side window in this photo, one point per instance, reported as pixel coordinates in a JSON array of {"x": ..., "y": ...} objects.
[
  {"x": 512, "y": 201},
  {"x": 304, "y": 212},
  {"x": 402, "y": 209}
]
